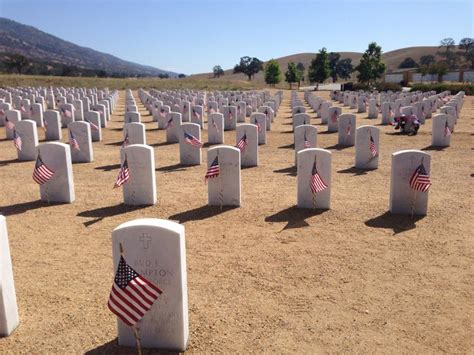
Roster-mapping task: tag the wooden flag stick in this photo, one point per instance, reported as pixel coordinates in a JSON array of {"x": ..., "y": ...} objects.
[
  {"x": 413, "y": 204},
  {"x": 137, "y": 339}
]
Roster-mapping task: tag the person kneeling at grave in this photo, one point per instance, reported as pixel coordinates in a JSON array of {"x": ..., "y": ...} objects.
[{"x": 407, "y": 124}]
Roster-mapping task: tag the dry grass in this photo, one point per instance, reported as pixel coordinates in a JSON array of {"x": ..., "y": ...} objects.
[
  {"x": 266, "y": 277},
  {"x": 129, "y": 83}
]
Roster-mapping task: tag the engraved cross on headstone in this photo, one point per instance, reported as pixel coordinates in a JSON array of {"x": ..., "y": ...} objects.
[{"x": 145, "y": 239}]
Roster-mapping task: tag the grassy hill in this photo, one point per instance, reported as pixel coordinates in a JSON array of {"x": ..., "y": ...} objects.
[
  {"x": 392, "y": 59},
  {"x": 38, "y": 45}
]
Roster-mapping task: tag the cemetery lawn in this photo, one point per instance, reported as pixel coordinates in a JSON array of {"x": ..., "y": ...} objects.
[{"x": 266, "y": 276}]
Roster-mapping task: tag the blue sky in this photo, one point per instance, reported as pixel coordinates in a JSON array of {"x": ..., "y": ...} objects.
[{"x": 193, "y": 36}]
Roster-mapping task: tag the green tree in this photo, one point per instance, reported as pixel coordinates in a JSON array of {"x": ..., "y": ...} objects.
[
  {"x": 441, "y": 70},
  {"x": 272, "y": 72},
  {"x": 292, "y": 74},
  {"x": 371, "y": 66},
  {"x": 319, "y": 69},
  {"x": 447, "y": 46},
  {"x": 181, "y": 76},
  {"x": 344, "y": 68},
  {"x": 16, "y": 62},
  {"x": 218, "y": 71},
  {"x": 333, "y": 60},
  {"x": 301, "y": 68},
  {"x": 427, "y": 59},
  {"x": 423, "y": 70},
  {"x": 408, "y": 62},
  {"x": 248, "y": 66},
  {"x": 467, "y": 45}
]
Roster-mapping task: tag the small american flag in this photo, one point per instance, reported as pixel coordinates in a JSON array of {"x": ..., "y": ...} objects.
[
  {"x": 123, "y": 175},
  {"x": 316, "y": 182},
  {"x": 348, "y": 129},
  {"x": 214, "y": 125},
  {"x": 242, "y": 143},
  {"x": 169, "y": 123},
  {"x": 190, "y": 139},
  {"x": 132, "y": 295},
  {"x": 126, "y": 141},
  {"x": 259, "y": 127},
  {"x": 372, "y": 147},
  {"x": 213, "y": 170},
  {"x": 423, "y": 112},
  {"x": 334, "y": 116},
  {"x": 2, "y": 111},
  {"x": 230, "y": 115},
  {"x": 212, "y": 110},
  {"x": 162, "y": 112},
  {"x": 42, "y": 173},
  {"x": 420, "y": 180},
  {"x": 73, "y": 141},
  {"x": 9, "y": 124},
  {"x": 447, "y": 131},
  {"x": 184, "y": 109},
  {"x": 22, "y": 107},
  {"x": 390, "y": 111},
  {"x": 196, "y": 114},
  {"x": 17, "y": 140},
  {"x": 93, "y": 125},
  {"x": 66, "y": 112},
  {"x": 45, "y": 125},
  {"x": 307, "y": 144},
  {"x": 238, "y": 109}
]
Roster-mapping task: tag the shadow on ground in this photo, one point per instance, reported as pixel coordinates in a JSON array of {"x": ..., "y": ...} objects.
[
  {"x": 396, "y": 222},
  {"x": 292, "y": 171},
  {"x": 103, "y": 212},
  {"x": 294, "y": 217},
  {"x": 112, "y": 348},
  {"x": 202, "y": 212},
  {"x": 23, "y": 207}
]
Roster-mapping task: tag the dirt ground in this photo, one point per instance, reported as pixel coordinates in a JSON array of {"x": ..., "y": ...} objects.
[{"x": 266, "y": 277}]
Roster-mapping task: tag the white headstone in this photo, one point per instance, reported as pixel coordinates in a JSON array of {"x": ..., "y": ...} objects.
[
  {"x": 156, "y": 249},
  {"x": 9, "y": 318},
  {"x": 249, "y": 154},
  {"x": 131, "y": 117},
  {"x": 140, "y": 189},
  {"x": 136, "y": 133},
  {"x": 215, "y": 128},
  {"x": 174, "y": 127},
  {"x": 224, "y": 190},
  {"x": 404, "y": 199},
  {"x": 367, "y": 149},
  {"x": 81, "y": 131},
  {"x": 260, "y": 120},
  {"x": 333, "y": 118},
  {"x": 26, "y": 130},
  {"x": 230, "y": 117},
  {"x": 443, "y": 127},
  {"x": 306, "y": 160},
  {"x": 197, "y": 115},
  {"x": 13, "y": 116},
  {"x": 52, "y": 125},
  {"x": 301, "y": 119},
  {"x": 93, "y": 119},
  {"x": 189, "y": 151},
  {"x": 67, "y": 114},
  {"x": 305, "y": 133},
  {"x": 36, "y": 114},
  {"x": 60, "y": 188},
  {"x": 346, "y": 129}
]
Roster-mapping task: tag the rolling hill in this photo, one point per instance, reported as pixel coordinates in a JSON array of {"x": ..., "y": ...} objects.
[
  {"x": 38, "y": 45},
  {"x": 392, "y": 59}
]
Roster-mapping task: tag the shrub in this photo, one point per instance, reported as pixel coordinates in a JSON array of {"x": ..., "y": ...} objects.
[{"x": 440, "y": 87}]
